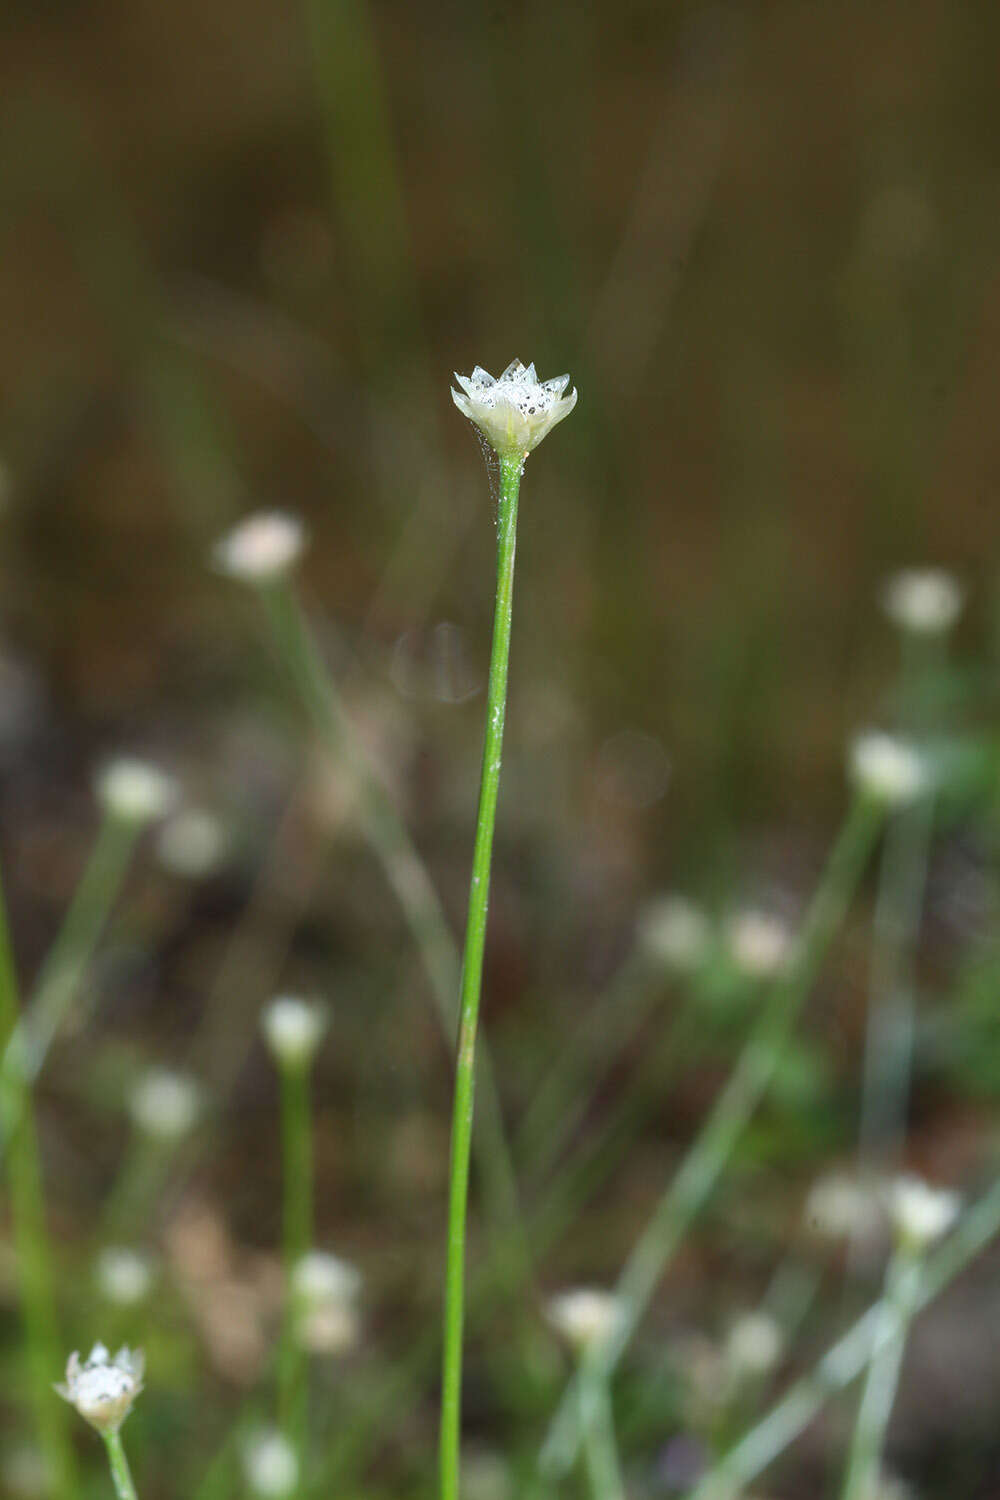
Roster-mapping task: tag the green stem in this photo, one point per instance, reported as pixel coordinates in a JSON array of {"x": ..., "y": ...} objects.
[
  {"x": 407, "y": 876},
  {"x": 28, "y": 1044},
  {"x": 297, "y": 1230},
  {"x": 875, "y": 1408},
  {"x": 118, "y": 1463},
  {"x": 703, "y": 1165},
  {"x": 472, "y": 975},
  {"x": 846, "y": 1359},
  {"x": 600, "y": 1446},
  {"x": 33, "y": 1255}
]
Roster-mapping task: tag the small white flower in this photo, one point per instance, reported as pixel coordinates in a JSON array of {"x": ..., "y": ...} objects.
[
  {"x": 322, "y": 1277},
  {"x": 270, "y": 1465},
  {"x": 888, "y": 769},
  {"x": 675, "y": 933},
  {"x": 293, "y": 1029},
  {"x": 262, "y": 548},
  {"x": 920, "y": 1213},
  {"x": 760, "y": 944},
  {"x": 325, "y": 1292},
  {"x": 103, "y": 1389},
  {"x": 584, "y": 1316},
  {"x": 165, "y": 1104},
  {"x": 192, "y": 843},
  {"x": 840, "y": 1207},
  {"x": 924, "y": 601},
  {"x": 135, "y": 791},
  {"x": 124, "y": 1276},
  {"x": 754, "y": 1345},
  {"x": 515, "y": 412}
]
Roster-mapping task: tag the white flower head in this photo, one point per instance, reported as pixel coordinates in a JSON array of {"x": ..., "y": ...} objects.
[
  {"x": 759, "y": 943},
  {"x": 262, "y": 548},
  {"x": 515, "y": 412},
  {"x": 270, "y": 1465},
  {"x": 192, "y": 843},
  {"x": 839, "y": 1206},
  {"x": 675, "y": 933},
  {"x": 584, "y": 1316},
  {"x": 754, "y": 1345},
  {"x": 165, "y": 1104},
  {"x": 293, "y": 1029},
  {"x": 889, "y": 769},
  {"x": 921, "y": 1213},
  {"x": 103, "y": 1389},
  {"x": 135, "y": 791},
  {"x": 923, "y": 601},
  {"x": 124, "y": 1276},
  {"x": 325, "y": 1292}
]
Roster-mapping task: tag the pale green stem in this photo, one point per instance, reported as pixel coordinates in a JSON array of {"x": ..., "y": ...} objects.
[
  {"x": 864, "y": 1461},
  {"x": 600, "y": 1446},
  {"x": 707, "y": 1157},
  {"x": 472, "y": 976},
  {"x": 846, "y": 1359},
  {"x": 406, "y": 874},
  {"x": 61, "y": 974},
  {"x": 297, "y": 1230},
  {"x": 33, "y": 1255},
  {"x": 118, "y": 1463}
]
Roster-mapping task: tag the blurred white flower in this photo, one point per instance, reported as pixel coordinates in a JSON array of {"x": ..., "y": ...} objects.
[
  {"x": 165, "y": 1104},
  {"x": 759, "y": 943},
  {"x": 270, "y": 1465},
  {"x": 135, "y": 791},
  {"x": 920, "y": 1213},
  {"x": 888, "y": 769},
  {"x": 192, "y": 843},
  {"x": 841, "y": 1207},
  {"x": 103, "y": 1389},
  {"x": 325, "y": 1292},
  {"x": 486, "y": 1474},
  {"x": 516, "y": 411},
  {"x": 924, "y": 601},
  {"x": 584, "y": 1316},
  {"x": 675, "y": 933},
  {"x": 293, "y": 1029},
  {"x": 123, "y": 1276},
  {"x": 754, "y": 1345},
  {"x": 262, "y": 548}
]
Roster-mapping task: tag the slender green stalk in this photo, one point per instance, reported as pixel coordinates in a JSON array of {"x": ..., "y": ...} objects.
[
  {"x": 33, "y": 1255},
  {"x": 703, "y": 1165},
  {"x": 472, "y": 977},
  {"x": 846, "y": 1359},
  {"x": 297, "y": 1231},
  {"x": 118, "y": 1463},
  {"x": 407, "y": 876},
  {"x": 864, "y": 1461},
  {"x": 58, "y": 982},
  {"x": 600, "y": 1446}
]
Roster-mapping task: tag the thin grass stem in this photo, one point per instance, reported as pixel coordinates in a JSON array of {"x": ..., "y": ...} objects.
[
  {"x": 121, "y": 1474},
  {"x": 864, "y": 1462}
]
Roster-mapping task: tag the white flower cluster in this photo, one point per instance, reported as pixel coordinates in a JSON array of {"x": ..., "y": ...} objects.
[
  {"x": 165, "y": 1104},
  {"x": 923, "y": 601},
  {"x": 584, "y": 1316},
  {"x": 293, "y": 1029},
  {"x": 270, "y": 1465},
  {"x": 124, "y": 1276},
  {"x": 675, "y": 933},
  {"x": 515, "y": 412},
  {"x": 101, "y": 1388},
  {"x": 261, "y": 549},
  {"x": 325, "y": 1292},
  {"x": 887, "y": 768},
  {"x": 920, "y": 1213},
  {"x": 760, "y": 943},
  {"x": 135, "y": 791}
]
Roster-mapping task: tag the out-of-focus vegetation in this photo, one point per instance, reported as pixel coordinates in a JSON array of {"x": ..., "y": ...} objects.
[{"x": 242, "y": 250}]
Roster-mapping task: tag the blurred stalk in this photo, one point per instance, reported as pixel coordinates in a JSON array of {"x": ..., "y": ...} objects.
[
  {"x": 472, "y": 980},
  {"x": 406, "y": 873},
  {"x": 864, "y": 1463},
  {"x": 120, "y": 1473},
  {"x": 600, "y": 1445},
  {"x": 62, "y": 972},
  {"x": 36, "y": 1283},
  {"x": 707, "y": 1157},
  {"x": 297, "y": 1230},
  {"x": 848, "y": 1357}
]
